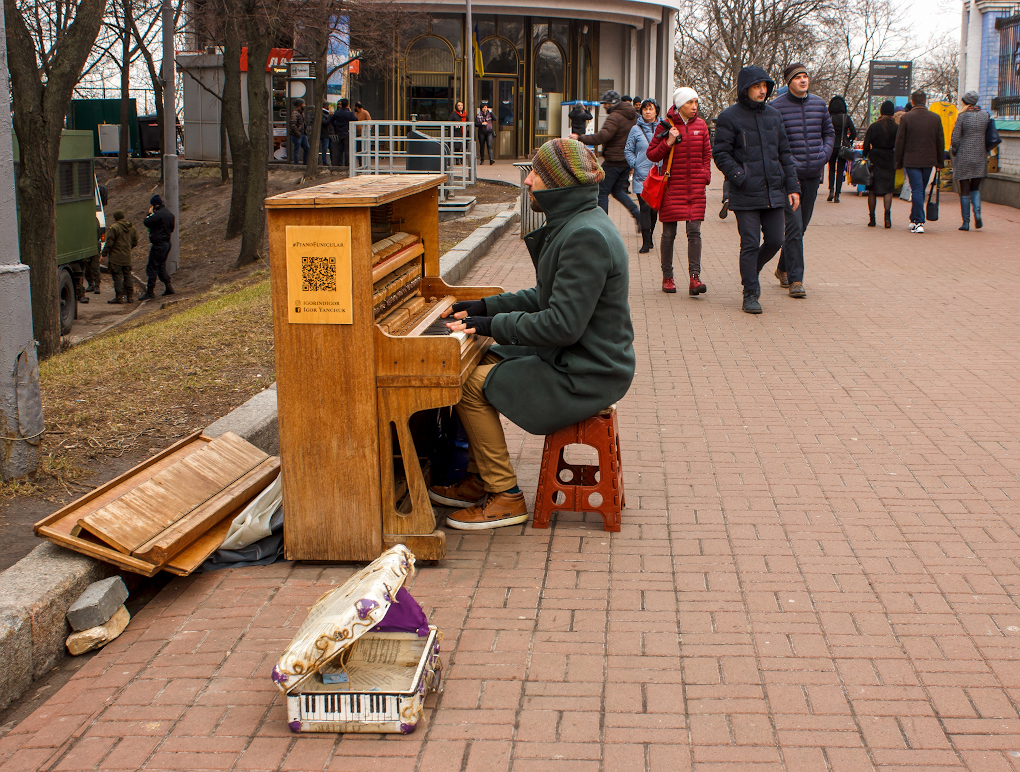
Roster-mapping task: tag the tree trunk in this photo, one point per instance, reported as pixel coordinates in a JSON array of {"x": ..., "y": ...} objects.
[
  {"x": 39, "y": 110},
  {"x": 125, "y": 95},
  {"x": 312, "y": 169},
  {"x": 253, "y": 229},
  {"x": 233, "y": 122}
]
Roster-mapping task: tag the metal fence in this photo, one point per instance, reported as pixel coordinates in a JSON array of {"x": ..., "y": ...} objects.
[
  {"x": 1007, "y": 102},
  {"x": 415, "y": 147},
  {"x": 530, "y": 219}
]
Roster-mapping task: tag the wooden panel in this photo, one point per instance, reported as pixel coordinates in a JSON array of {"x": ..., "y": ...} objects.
[
  {"x": 424, "y": 546},
  {"x": 362, "y": 191},
  {"x": 433, "y": 286},
  {"x": 394, "y": 262},
  {"x": 174, "y": 539},
  {"x": 396, "y": 406},
  {"x": 205, "y": 545},
  {"x": 329, "y": 449},
  {"x": 151, "y": 507},
  {"x": 419, "y": 214}
]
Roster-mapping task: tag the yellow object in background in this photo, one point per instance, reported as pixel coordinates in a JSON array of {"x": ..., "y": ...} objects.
[{"x": 947, "y": 112}]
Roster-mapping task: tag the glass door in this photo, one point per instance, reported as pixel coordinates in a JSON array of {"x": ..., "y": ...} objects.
[{"x": 501, "y": 95}]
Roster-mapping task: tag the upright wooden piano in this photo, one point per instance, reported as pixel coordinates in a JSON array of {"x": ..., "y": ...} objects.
[{"x": 360, "y": 348}]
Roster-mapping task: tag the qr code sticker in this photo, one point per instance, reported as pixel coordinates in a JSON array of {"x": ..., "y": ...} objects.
[{"x": 318, "y": 274}]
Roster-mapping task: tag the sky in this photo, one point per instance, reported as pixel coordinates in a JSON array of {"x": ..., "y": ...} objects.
[{"x": 935, "y": 17}]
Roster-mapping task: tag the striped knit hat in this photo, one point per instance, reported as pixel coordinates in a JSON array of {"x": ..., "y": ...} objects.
[{"x": 565, "y": 162}]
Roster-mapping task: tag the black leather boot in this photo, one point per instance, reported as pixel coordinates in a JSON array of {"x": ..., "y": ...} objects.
[
  {"x": 149, "y": 294},
  {"x": 646, "y": 241},
  {"x": 169, "y": 289},
  {"x": 751, "y": 304}
]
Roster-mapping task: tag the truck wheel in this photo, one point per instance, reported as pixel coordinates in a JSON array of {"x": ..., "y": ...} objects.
[{"x": 68, "y": 302}]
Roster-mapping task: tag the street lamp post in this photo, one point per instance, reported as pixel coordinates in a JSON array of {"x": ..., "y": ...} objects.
[{"x": 20, "y": 404}]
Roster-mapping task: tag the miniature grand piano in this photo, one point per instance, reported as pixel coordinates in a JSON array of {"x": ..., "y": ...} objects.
[{"x": 360, "y": 349}]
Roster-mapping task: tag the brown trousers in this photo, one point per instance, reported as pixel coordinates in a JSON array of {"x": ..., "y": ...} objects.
[{"x": 490, "y": 458}]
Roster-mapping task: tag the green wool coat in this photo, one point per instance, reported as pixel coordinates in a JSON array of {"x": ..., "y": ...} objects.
[
  {"x": 568, "y": 342},
  {"x": 120, "y": 238}
]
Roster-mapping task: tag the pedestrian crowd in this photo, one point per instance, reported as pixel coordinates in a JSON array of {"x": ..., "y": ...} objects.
[
  {"x": 334, "y": 132},
  {"x": 773, "y": 154}
]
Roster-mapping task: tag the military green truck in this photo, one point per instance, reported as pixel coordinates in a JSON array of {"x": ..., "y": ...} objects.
[{"x": 81, "y": 221}]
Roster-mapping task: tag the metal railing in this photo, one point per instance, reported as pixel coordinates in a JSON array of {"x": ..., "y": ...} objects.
[
  {"x": 1007, "y": 101},
  {"x": 415, "y": 147},
  {"x": 530, "y": 219}
]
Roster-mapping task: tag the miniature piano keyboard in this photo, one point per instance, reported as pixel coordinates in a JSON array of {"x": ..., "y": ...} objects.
[{"x": 368, "y": 708}]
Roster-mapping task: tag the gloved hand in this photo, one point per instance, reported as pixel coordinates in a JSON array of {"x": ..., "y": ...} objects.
[
  {"x": 482, "y": 325},
  {"x": 473, "y": 307}
]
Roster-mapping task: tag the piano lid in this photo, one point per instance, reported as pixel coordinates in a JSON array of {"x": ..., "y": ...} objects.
[{"x": 360, "y": 191}]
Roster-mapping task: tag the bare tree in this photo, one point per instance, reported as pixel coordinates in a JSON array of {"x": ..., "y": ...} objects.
[
  {"x": 49, "y": 42},
  {"x": 937, "y": 72},
  {"x": 719, "y": 37}
]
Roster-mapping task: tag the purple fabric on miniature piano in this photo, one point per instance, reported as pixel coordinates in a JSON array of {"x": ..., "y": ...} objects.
[{"x": 404, "y": 616}]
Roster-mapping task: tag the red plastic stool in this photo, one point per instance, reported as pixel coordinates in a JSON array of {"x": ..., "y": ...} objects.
[{"x": 599, "y": 432}]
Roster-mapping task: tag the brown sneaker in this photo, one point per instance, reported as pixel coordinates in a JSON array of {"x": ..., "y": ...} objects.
[
  {"x": 784, "y": 281},
  {"x": 797, "y": 290},
  {"x": 495, "y": 511},
  {"x": 461, "y": 494}
]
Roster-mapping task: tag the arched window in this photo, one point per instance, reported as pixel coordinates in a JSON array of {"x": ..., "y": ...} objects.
[
  {"x": 549, "y": 68},
  {"x": 430, "y": 54},
  {"x": 499, "y": 57}
]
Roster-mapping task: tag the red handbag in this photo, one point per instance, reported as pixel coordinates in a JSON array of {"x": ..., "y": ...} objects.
[{"x": 653, "y": 189}]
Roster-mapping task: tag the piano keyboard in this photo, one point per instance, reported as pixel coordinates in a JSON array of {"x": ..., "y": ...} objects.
[{"x": 349, "y": 707}]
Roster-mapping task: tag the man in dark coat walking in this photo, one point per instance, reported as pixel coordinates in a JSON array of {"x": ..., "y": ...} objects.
[
  {"x": 811, "y": 136},
  {"x": 341, "y": 120},
  {"x": 565, "y": 347},
  {"x": 752, "y": 151},
  {"x": 613, "y": 137},
  {"x": 160, "y": 223},
  {"x": 920, "y": 145}
]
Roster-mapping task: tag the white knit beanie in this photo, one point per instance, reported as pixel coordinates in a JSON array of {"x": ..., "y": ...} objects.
[{"x": 683, "y": 95}]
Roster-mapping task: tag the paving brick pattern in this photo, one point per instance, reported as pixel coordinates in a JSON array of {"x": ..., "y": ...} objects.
[{"x": 816, "y": 570}]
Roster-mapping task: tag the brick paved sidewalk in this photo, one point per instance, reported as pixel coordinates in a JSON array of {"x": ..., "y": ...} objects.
[{"x": 816, "y": 571}]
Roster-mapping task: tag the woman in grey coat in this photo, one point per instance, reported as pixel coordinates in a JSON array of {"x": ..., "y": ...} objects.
[{"x": 970, "y": 157}]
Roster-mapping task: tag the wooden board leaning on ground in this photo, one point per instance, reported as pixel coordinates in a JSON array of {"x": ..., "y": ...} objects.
[{"x": 171, "y": 511}]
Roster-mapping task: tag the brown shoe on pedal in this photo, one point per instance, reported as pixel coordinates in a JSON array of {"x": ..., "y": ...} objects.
[
  {"x": 464, "y": 493},
  {"x": 494, "y": 511}
]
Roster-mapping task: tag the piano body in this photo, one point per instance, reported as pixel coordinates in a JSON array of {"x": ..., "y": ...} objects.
[{"x": 355, "y": 364}]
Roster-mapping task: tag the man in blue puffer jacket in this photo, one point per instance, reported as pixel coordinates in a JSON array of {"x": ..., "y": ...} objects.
[
  {"x": 809, "y": 130},
  {"x": 752, "y": 151}
]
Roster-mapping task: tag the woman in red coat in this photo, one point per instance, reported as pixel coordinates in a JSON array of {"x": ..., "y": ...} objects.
[{"x": 686, "y": 135}]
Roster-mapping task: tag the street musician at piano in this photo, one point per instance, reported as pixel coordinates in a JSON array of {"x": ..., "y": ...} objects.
[{"x": 564, "y": 348}]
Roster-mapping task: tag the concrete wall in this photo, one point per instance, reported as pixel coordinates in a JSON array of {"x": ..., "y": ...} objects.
[{"x": 1009, "y": 153}]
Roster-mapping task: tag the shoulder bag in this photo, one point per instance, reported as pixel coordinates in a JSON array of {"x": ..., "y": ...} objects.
[
  {"x": 931, "y": 209},
  {"x": 653, "y": 189},
  {"x": 992, "y": 138},
  {"x": 861, "y": 172}
]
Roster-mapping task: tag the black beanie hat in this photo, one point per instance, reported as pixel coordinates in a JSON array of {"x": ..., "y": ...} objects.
[
  {"x": 887, "y": 108},
  {"x": 156, "y": 200}
]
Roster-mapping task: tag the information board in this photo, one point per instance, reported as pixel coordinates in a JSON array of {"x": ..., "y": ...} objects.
[{"x": 888, "y": 81}]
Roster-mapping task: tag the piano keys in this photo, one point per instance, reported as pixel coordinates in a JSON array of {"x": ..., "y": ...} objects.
[{"x": 347, "y": 392}]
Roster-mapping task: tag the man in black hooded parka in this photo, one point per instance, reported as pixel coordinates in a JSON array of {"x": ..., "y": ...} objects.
[{"x": 752, "y": 151}]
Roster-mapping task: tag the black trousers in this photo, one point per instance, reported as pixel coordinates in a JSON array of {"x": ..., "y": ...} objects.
[
  {"x": 613, "y": 184},
  {"x": 761, "y": 236},
  {"x": 791, "y": 259},
  {"x": 485, "y": 143},
  {"x": 339, "y": 148},
  {"x": 837, "y": 170},
  {"x": 156, "y": 267},
  {"x": 649, "y": 216}
]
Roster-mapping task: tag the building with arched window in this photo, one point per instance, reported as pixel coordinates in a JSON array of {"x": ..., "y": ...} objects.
[{"x": 531, "y": 64}]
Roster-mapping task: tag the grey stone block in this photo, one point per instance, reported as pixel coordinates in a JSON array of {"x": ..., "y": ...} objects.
[
  {"x": 15, "y": 655},
  {"x": 39, "y": 589},
  {"x": 97, "y": 604},
  {"x": 255, "y": 421},
  {"x": 455, "y": 264}
]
